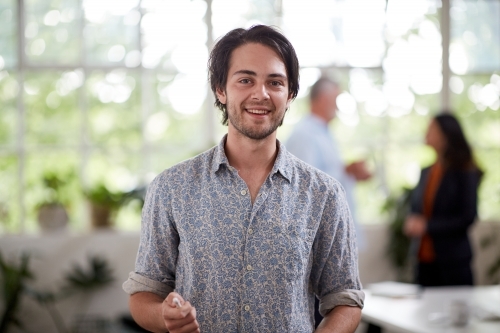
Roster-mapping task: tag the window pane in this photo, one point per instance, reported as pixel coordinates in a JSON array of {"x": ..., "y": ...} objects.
[
  {"x": 52, "y": 32},
  {"x": 8, "y": 47},
  {"x": 114, "y": 108},
  {"x": 228, "y": 15},
  {"x": 51, "y": 103},
  {"x": 111, "y": 32},
  {"x": 340, "y": 32},
  {"x": 475, "y": 32},
  {"x": 476, "y": 101},
  {"x": 9, "y": 194},
  {"x": 9, "y": 88},
  {"x": 174, "y": 35},
  {"x": 64, "y": 164},
  {"x": 178, "y": 112}
]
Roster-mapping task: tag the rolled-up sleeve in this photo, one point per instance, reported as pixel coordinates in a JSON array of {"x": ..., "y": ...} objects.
[
  {"x": 138, "y": 283},
  {"x": 335, "y": 275},
  {"x": 158, "y": 248}
]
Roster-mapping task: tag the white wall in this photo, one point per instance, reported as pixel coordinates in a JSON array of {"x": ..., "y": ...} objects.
[{"x": 53, "y": 255}]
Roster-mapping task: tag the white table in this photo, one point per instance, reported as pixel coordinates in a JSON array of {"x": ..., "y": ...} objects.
[{"x": 411, "y": 315}]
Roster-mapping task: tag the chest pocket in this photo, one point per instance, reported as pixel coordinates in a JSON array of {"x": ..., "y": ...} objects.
[{"x": 298, "y": 256}]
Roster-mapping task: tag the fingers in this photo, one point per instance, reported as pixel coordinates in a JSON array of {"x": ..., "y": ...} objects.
[
  {"x": 179, "y": 319},
  {"x": 188, "y": 324},
  {"x": 170, "y": 299}
]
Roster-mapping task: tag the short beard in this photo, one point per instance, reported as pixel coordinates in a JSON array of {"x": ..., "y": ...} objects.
[{"x": 256, "y": 134}]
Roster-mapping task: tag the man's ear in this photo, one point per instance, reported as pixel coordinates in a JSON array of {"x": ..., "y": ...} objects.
[{"x": 221, "y": 95}]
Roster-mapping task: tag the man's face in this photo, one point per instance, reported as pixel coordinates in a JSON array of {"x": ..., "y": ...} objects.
[
  {"x": 256, "y": 93},
  {"x": 329, "y": 102}
]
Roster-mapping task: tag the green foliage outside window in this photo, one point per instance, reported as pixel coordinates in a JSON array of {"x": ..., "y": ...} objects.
[{"x": 105, "y": 119}]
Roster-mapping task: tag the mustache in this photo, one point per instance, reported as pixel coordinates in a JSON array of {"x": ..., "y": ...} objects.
[{"x": 253, "y": 105}]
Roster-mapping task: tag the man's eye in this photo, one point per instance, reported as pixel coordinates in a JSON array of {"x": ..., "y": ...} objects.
[
  {"x": 276, "y": 83},
  {"x": 244, "y": 81}
]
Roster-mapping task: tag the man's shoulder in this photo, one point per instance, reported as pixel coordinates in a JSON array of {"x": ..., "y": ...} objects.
[{"x": 305, "y": 172}]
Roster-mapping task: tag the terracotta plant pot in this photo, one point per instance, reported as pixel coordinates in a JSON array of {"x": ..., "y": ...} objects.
[{"x": 101, "y": 216}]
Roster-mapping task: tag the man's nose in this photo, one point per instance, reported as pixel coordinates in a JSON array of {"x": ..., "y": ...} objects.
[{"x": 260, "y": 92}]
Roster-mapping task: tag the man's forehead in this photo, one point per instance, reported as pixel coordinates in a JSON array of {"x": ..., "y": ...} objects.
[{"x": 251, "y": 55}]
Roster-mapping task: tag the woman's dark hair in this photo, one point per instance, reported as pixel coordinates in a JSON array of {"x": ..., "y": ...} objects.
[
  {"x": 218, "y": 63},
  {"x": 458, "y": 153}
]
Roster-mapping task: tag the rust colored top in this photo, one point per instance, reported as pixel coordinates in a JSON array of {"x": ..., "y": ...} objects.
[{"x": 426, "y": 251}]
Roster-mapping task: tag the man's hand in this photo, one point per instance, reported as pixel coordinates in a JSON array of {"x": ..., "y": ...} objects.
[
  {"x": 415, "y": 225},
  {"x": 358, "y": 170},
  {"x": 179, "y": 320}
]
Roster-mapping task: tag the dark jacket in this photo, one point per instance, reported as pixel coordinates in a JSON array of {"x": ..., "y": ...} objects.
[{"x": 454, "y": 211}]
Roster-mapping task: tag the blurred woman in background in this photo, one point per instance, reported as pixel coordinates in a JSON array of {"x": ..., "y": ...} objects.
[{"x": 444, "y": 206}]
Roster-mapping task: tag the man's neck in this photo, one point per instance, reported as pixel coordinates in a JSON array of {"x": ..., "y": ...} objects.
[
  {"x": 246, "y": 154},
  {"x": 320, "y": 116},
  {"x": 254, "y": 159}
]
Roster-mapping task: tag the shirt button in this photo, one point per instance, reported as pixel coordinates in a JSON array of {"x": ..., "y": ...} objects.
[
  {"x": 243, "y": 192},
  {"x": 250, "y": 231},
  {"x": 249, "y": 267},
  {"x": 247, "y": 307}
]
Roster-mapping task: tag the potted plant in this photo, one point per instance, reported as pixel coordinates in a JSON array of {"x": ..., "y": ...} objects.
[
  {"x": 104, "y": 204},
  {"x": 12, "y": 283},
  {"x": 79, "y": 280},
  {"x": 52, "y": 210},
  {"x": 398, "y": 248}
]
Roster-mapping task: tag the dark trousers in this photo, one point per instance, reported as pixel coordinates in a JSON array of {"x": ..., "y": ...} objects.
[
  {"x": 444, "y": 274},
  {"x": 317, "y": 317}
]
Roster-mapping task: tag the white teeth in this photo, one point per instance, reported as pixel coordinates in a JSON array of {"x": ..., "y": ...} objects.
[{"x": 257, "y": 111}]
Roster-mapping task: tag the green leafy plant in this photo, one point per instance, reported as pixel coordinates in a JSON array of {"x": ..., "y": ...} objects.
[
  {"x": 13, "y": 283},
  {"x": 79, "y": 280},
  {"x": 57, "y": 188},
  {"x": 101, "y": 195},
  {"x": 493, "y": 270},
  {"x": 105, "y": 203},
  {"x": 99, "y": 274},
  {"x": 398, "y": 248}
]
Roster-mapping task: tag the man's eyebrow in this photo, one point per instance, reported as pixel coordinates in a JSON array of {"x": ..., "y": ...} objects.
[
  {"x": 245, "y": 71},
  {"x": 279, "y": 75},
  {"x": 252, "y": 73}
]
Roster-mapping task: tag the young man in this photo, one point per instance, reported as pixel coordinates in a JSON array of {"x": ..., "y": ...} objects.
[{"x": 245, "y": 235}]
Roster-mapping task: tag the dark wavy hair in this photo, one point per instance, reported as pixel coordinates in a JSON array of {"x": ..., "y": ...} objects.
[
  {"x": 220, "y": 56},
  {"x": 458, "y": 153}
]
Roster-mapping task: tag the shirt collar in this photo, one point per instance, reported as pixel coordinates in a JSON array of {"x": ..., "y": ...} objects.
[
  {"x": 281, "y": 165},
  {"x": 220, "y": 156}
]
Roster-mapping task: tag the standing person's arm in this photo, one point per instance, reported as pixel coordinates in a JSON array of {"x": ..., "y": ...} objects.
[
  {"x": 153, "y": 281},
  {"x": 335, "y": 274},
  {"x": 342, "y": 319},
  {"x": 156, "y": 314}
]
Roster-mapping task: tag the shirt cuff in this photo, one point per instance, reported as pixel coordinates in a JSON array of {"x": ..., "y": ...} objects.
[
  {"x": 349, "y": 297},
  {"x": 139, "y": 283}
]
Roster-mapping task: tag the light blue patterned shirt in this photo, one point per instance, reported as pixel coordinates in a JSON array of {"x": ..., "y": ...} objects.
[{"x": 248, "y": 268}]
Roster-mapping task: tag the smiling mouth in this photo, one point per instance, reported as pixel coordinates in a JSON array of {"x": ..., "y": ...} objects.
[{"x": 254, "y": 111}]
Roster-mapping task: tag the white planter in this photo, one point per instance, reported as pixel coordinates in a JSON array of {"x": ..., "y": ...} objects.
[{"x": 52, "y": 217}]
